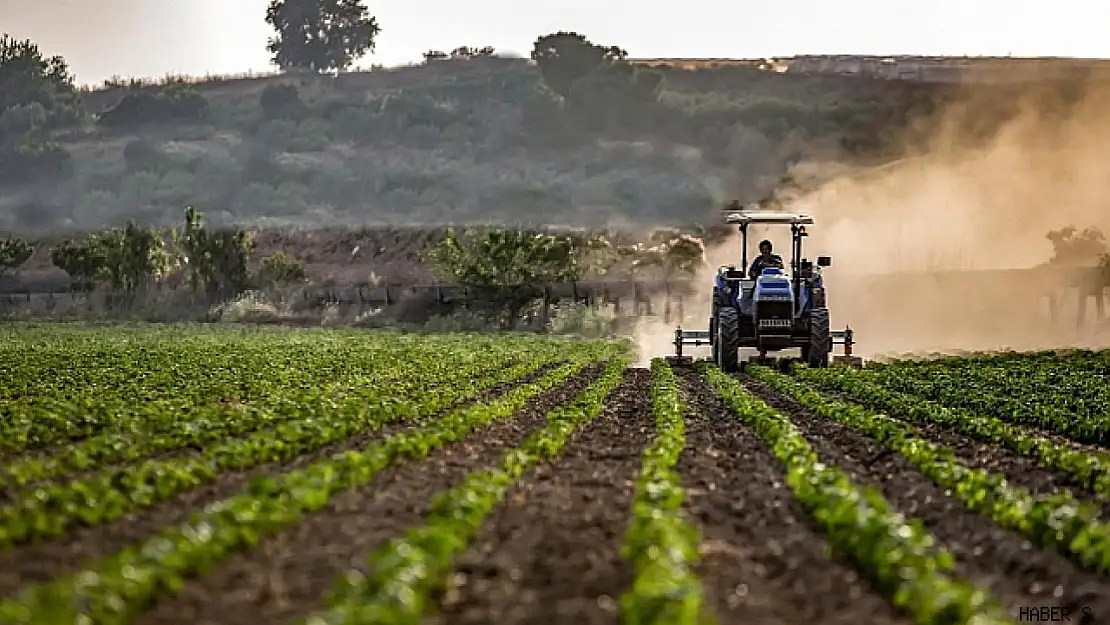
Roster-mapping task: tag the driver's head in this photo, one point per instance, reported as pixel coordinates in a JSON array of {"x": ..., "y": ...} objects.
[{"x": 765, "y": 247}]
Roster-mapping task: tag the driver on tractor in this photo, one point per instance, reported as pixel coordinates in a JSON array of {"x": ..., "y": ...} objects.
[{"x": 764, "y": 260}]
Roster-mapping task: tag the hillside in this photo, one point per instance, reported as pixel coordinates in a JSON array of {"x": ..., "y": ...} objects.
[{"x": 451, "y": 141}]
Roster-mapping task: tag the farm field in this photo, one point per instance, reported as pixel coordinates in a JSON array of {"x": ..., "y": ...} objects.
[{"x": 230, "y": 475}]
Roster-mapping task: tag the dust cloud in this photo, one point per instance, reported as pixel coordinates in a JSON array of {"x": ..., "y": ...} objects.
[{"x": 910, "y": 239}]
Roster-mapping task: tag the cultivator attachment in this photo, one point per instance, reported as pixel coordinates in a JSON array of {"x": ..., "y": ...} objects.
[
  {"x": 686, "y": 337},
  {"x": 845, "y": 337},
  {"x": 697, "y": 338}
]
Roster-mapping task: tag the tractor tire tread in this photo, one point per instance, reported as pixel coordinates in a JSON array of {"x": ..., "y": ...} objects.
[
  {"x": 728, "y": 339},
  {"x": 820, "y": 339}
]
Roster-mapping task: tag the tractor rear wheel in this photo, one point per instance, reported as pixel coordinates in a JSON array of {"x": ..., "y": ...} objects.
[
  {"x": 816, "y": 354},
  {"x": 727, "y": 348}
]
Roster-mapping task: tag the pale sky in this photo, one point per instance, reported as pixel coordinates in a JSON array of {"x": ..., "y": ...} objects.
[{"x": 151, "y": 38}]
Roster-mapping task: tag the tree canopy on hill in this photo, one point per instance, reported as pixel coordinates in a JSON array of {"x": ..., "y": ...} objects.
[
  {"x": 320, "y": 35},
  {"x": 35, "y": 90}
]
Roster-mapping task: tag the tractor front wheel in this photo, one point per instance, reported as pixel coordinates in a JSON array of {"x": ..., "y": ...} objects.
[
  {"x": 816, "y": 354},
  {"x": 727, "y": 348}
]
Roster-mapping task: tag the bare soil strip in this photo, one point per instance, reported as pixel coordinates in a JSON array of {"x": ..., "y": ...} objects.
[
  {"x": 550, "y": 553},
  {"x": 1020, "y": 574},
  {"x": 288, "y": 575},
  {"x": 763, "y": 560},
  {"x": 37, "y": 563}
]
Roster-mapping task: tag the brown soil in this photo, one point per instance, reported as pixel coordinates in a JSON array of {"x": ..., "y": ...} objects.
[
  {"x": 550, "y": 553},
  {"x": 763, "y": 560}
]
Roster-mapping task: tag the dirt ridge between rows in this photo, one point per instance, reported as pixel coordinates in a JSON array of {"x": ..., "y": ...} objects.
[
  {"x": 1019, "y": 573},
  {"x": 550, "y": 552},
  {"x": 42, "y": 561}
]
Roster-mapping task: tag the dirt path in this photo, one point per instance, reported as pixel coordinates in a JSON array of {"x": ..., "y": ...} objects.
[
  {"x": 1019, "y": 573},
  {"x": 41, "y": 562},
  {"x": 763, "y": 560},
  {"x": 550, "y": 554}
]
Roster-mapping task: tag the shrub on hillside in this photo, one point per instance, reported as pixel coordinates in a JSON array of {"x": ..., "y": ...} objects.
[
  {"x": 144, "y": 107},
  {"x": 34, "y": 162},
  {"x": 20, "y": 120},
  {"x": 281, "y": 102}
]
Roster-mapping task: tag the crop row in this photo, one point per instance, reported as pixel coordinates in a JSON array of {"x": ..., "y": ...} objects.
[
  {"x": 114, "y": 589},
  {"x": 407, "y": 569},
  {"x": 1062, "y": 393},
  {"x": 900, "y": 556},
  {"x": 322, "y": 419},
  {"x": 161, "y": 379},
  {"x": 1086, "y": 467},
  {"x": 660, "y": 544},
  {"x": 165, "y": 430},
  {"x": 1057, "y": 520}
]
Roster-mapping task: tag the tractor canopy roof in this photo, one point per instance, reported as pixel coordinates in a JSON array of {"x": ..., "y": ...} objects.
[{"x": 767, "y": 217}]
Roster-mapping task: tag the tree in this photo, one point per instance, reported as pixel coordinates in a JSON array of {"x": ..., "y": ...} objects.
[
  {"x": 320, "y": 35},
  {"x": 565, "y": 57},
  {"x": 217, "y": 262},
  {"x": 279, "y": 270},
  {"x": 29, "y": 78},
  {"x": 127, "y": 259},
  {"x": 505, "y": 268},
  {"x": 1071, "y": 247},
  {"x": 13, "y": 253}
]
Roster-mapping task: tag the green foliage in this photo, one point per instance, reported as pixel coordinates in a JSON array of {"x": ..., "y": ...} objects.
[
  {"x": 14, "y": 251},
  {"x": 566, "y": 57},
  {"x": 126, "y": 259},
  {"x": 342, "y": 386},
  {"x": 320, "y": 35},
  {"x": 507, "y": 267},
  {"x": 660, "y": 544},
  {"x": 407, "y": 570},
  {"x": 899, "y": 555},
  {"x": 28, "y": 78},
  {"x": 499, "y": 258},
  {"x": 215, "y": 262},
  {"x": 280, "y": 269},
  {"x": 1057, "y": 520},
  {"x": 1084, "y": 465},
  {"x": 675, "y": 253}
]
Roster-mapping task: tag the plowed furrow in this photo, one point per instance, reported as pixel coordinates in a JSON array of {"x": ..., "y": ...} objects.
[
  {"x": 39, "y": 562},
  {"x": 287, "y": 575},
  {"x": 550, "y": 553},
  {"x": 762, "y": 560},
  {"x": 1022, "y": 575}
]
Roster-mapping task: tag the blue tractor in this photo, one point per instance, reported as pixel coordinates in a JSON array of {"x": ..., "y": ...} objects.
[{"x": 773, "y": 311}]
